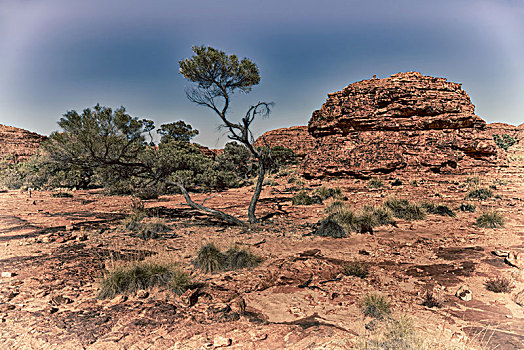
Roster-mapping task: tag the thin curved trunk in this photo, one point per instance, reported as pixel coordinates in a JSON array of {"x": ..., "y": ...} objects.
[
  {"x": 256, "y": 194},
  {"x": 213, "y": 212}
]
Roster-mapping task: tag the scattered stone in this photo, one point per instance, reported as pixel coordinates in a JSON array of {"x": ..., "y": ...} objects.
[
  {"x": 501, "y": 253},
  {"x": 519, "y": 298},
  {"x": 142, "y": 294},
  {"x": 81, "y": 238},
  {"x": 8, "y": 274},
  {"x": 220, "y": 342},
  {"x": 69, "y": 227},
  {"x": 464, "y": 293},
  {"x": 515, "y": 260},
  {"x": 51, "y": 309},
  {"x": 6, "y": 307},
  {"x": 60, "y": 300}
]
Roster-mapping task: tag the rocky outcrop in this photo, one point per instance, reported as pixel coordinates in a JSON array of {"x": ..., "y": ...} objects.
[
  {"x": 18, "y": 144},
  {"x": 404, "y": 101},
  {"x": 407, "y": 122}
]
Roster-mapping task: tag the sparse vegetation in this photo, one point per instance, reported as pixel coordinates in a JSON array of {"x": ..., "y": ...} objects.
[
  {"x": 364, "y": 221},
  {"x": 504, "y": 141},
  {"x": 302, "y": 198},
  {"x": 480, "y": 194},
  {"x": 499, "y": 284},
  {"x": 467, "y": 207},
  {"x": 131, "y": 277},
  {"x": 61, "y": 195},
  {"x": 211, "y": 260},
  {"x": 430, "y": 300},
  {"x": 403, "y": 209},
  {"x": 491, "y": 219},
  {"x": 414, "y": 183},
  {"x": 438, "y": 209},
  {"x": 375, "y": 182},
  {"x": 329, "y": 227},
  {"x": 151, "y": 229},
  {"x": 375, "y": 305},
  {"x": 326, "y": 193},
  {"x": 356, "y": 268}
]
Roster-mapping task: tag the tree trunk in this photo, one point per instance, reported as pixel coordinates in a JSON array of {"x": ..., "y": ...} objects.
[
  {"x": 258, "y": 190},
  {"x": 213, "y": 212}
]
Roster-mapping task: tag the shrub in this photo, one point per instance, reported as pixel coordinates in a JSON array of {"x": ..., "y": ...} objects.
[
  {"x": 210, "y": 259},
  {"x": 414, "y": 183},
  {"x": 357, "y": 269},
  {"x": 480, "y": 194},
  {"x": 61, "y": 195},
  {"x": 473, "y": 181},
  {"x": 439, "y": 209},
  {"x": 240, "y": 258},
  {"x": 395, "y": 335},
  {"x": 363, "y": 221},
  {"x": 151, "y": 229},
  {"x": 302, "y": 198},
  {"x": 375, "y": 182},
  {"x": 142, "y": 275},
  {"x": 490, "y": 219},
  {"x": 504, "y": 141},
  {"x": 375, "y": 305},
  {"x": 430, "y": 300},
  {"x": 270, "y": 182},
  {"x": 325, "y": 192},
  {"x": 499, "y": 285},
  {"x": 467, "y": 207},
  {"x": 329, "y": 227},
  {"x": 403, "y": 209},
  {"x": 150, "y": 192}
]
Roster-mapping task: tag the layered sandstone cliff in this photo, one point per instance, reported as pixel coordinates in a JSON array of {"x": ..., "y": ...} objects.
[
  {"x": 406, "y": 122},
  {"x": 18, "y": 144}
]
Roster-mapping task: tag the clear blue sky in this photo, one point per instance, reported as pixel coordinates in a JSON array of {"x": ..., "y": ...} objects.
[{"x": 59, "y": 55}]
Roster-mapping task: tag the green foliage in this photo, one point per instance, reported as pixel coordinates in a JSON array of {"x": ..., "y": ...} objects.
[
  {"x": 61, "y": 195},
  {"x": 211, "y": 260},
  {"x": 237, "y": 159},
  {"x": 504, "y": 141},
  {"x": 210, "y": 65},
  {"x": 480, "y": 194},
  {"x": 499, "y": 284},
  {"x": 375, "y": 305},
  {"x": 176, "y": 131},
  {"x": 357, "y": 269},
  {"x": 438, "y": 209},
  {"x": 132, "y": 277},
  {"x": 403, "y": 209},
  {"x": 375, "y": 182},
  {"x": 363, "y": 221},
  {"x": 326, "y": 193},
  {"x": 302, "y": 198},
  {"x": 282, "y": 156},
  {"x": 467, "y": 207},
  {"x": 491, "y": 219},
  {"x": 329, "y": 227}
]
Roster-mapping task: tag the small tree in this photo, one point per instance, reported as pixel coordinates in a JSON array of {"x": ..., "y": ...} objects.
[
  {"x": 178, "y": 131},
  {"x": 113, "y": 143},
  {"x": 217, "y": 77}
]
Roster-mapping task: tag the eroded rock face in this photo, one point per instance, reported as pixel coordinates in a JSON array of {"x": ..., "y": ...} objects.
[
  {"x": 407, "y": 122},
  {"x": 18, "y": 143},
  {"x": 404, "y": 101}
]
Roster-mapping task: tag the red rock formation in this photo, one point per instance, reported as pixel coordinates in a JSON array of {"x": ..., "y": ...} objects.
[
  {"x": 18, "y": 143},
  {"x": 407, "y": 122}
]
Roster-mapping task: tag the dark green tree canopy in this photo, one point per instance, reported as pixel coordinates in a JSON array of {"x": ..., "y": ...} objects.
[{"x": 177, "y": 131}]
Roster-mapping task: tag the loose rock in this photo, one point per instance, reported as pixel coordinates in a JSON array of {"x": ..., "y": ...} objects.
[{"x": 464, "y": 293}]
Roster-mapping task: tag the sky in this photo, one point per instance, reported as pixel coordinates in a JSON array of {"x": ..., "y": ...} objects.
[{"x": 61, "y": 55}]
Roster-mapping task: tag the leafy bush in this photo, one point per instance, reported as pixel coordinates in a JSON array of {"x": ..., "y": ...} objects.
[
  {"x": 499, "y": 285},
  {"x": 142, "y": 275},
  {"x": 430, "y": 300},
  {"x": 363, "y": 221},
  {"x": 504, "y": 141},
  {"x": 357, "y": 269},
  {"x": 210, "y": 259},
  {"x": 403, "y": 209},
  {"x": 480, "y": 194},
  {"x": 329, "y": 227},
  {"x": 438, "y": 209},
  {"x": 61, "y": 195},
  {"x": 151, "y": 229},
  {"x": 302, "y": 198},
  {"x": 375, "y": 182},
  {"x": 375, "y": 305},
  {"x": 326, "y": 193},
  {"x": 467, "y": 207},
  {"x": 490, "y": 219}
]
